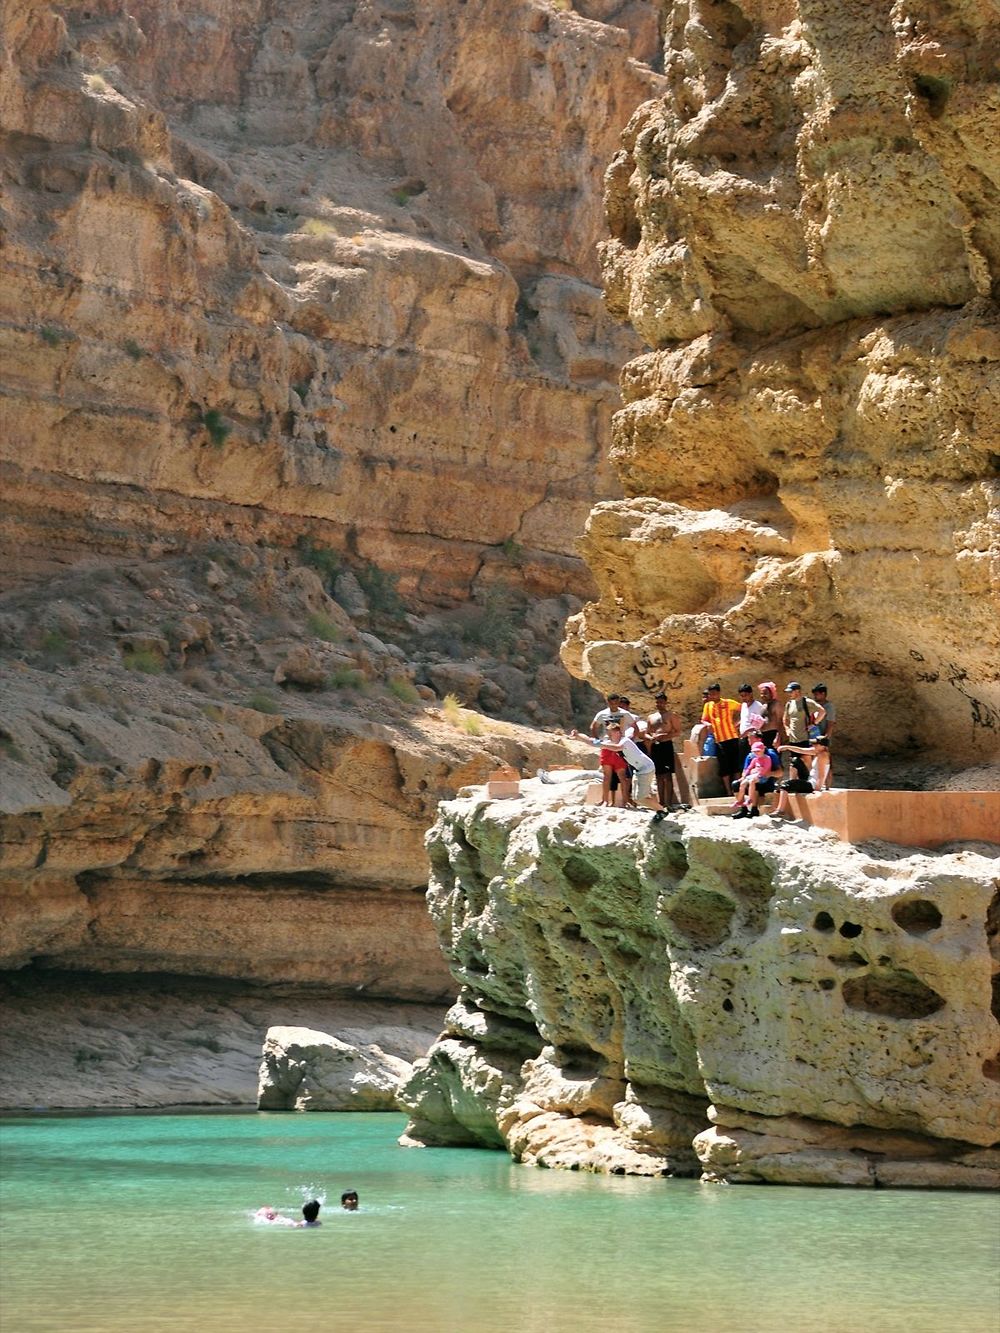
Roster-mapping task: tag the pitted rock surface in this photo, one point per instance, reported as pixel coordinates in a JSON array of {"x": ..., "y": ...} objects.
[
  {"x": 757, "y": 1002},
  {"x": 804, "y": 233}
]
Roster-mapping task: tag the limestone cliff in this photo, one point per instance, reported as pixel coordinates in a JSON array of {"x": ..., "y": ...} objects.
[
  {"x": 305, "y": 385},
  {"x": 805, "y": 234},
  {"x": 276, "y": 268},
  {"x": 755, "y": 1003}
]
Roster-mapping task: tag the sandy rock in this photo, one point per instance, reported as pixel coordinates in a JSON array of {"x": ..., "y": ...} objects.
[
  {"x": 797, "y": 237},
  {"x": 833, "y": 1005},
  {"x": 551, "y": 691},
  {"x": 76, "y": 1040},
  {"x": 458, "y": 678},
  {"x": 302, "y": 667},
  {"x": 297, "y": 267},
  {"x": 304, "y": 1070},
  {"x": 350, "y": 595}
]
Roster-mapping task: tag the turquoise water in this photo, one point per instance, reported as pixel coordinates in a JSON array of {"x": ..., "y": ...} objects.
[{"x": 143, "y": 1222}]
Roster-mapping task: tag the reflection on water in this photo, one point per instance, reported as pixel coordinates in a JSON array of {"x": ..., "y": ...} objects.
[{"x": 145, "y": 1223}]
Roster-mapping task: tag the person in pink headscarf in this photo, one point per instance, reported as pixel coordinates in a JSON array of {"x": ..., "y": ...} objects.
[{"x": 772, "y": 712}]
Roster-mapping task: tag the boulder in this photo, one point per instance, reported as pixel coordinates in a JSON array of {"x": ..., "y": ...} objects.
[
  {"x": 305, "y": 1070},
  {"x": 458, "y": 678},
  {"x": 302, "y": 667}
]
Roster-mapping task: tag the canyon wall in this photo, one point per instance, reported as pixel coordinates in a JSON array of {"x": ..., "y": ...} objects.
[
  {"x": 305, "y": 386},
  {"x": 805, "y": 235},
  {"x": 274, "y": 269},
  {"x": 752, "y": 1003}
]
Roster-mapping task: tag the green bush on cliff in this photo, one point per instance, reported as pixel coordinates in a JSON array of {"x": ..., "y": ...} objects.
[
  {"x": 326, "y": 563},
  {"x": 494, "y": 623},
  {"x": 144, "y": 660},
  {"x": 216, "y": 425},
  {"x": 323, "y": 627},
  {"x": 381, "y": 590}
]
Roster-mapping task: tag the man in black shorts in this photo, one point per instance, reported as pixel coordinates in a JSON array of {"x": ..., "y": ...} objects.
[{"x": 662, "y": 728}]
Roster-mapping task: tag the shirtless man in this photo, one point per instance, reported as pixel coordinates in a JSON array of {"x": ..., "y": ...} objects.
[{"x": 662, "y": 729}]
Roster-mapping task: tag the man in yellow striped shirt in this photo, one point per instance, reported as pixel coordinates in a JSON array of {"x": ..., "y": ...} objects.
[{"x": 723, "y": 716}]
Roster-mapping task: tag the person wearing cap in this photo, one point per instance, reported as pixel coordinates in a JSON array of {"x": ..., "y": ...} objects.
[
  {"x": 662, "y": 729},
  {"x": 723, "y": 716},
  {"x": 758, "y": 778},
  {"x": 801, "y": 713}
]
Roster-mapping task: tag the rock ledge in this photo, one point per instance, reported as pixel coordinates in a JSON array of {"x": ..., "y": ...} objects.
[{"x": 751, "y": 1003}]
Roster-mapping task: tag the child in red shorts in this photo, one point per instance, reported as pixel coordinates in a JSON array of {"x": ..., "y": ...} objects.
[{"x": 612, "y": 761}]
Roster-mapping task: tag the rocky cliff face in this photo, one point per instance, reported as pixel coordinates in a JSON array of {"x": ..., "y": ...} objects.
[
  {"x": 277, "y": 268},
  {"x": 756, "y": 1004},
  {"x": 805, "y": 236},
  {"x": 299, "y": 299}
]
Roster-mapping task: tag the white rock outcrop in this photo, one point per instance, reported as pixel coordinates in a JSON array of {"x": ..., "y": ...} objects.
[
  {"x": 305, "y": 1070},
  {"x": 756, "y": 1003}
]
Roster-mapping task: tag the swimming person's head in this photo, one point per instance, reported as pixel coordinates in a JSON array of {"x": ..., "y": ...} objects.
[
  {"x": 349, "y": 1200},
  {"x": 310, "y": 1211}
]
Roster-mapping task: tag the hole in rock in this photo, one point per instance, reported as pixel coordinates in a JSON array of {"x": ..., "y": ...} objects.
[
  {"x": 701, "y": 916},
  {"x": 823, "y": 921},
  {"x": 580, "y": 873},
  {"x": 851, "y": 930},
  {"x": 728, "y": 1006},
  {"x": 827, "y": 983},
  {"x": 891, "y": 995},
  {"x": 917, "y": 916},
  {"x": 572, "y": 932},
  {"x": 991, "y": 1068},
  {"x": 934, "y": 92}
]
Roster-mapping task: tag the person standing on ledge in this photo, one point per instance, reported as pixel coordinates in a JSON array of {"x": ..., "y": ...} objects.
[
  {"x": 662, "y": 729},
  {"x": 753, "y": 719},
  {"x": 723, "y": 716},
  {"x": 800, "y": 714}
]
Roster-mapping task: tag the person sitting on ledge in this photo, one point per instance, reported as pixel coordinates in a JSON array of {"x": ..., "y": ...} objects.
[
  {"x": 757, "y": 779},
  {"x": 819, "y": 752}
]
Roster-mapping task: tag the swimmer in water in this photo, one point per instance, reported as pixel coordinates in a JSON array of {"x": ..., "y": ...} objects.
[
  {"x": 349, "y": 1201},
  {"x": 273, "y": 1217},
  {"x": 310, "y": 1212}
]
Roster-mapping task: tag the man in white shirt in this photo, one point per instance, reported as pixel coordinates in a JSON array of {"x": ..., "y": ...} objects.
[
  {"x": 752, "y": 719},
  {"x": 614, "y": 713}
]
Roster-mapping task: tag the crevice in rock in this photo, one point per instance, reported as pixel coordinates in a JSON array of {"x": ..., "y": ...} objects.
[{"x": 891, "y": 994}]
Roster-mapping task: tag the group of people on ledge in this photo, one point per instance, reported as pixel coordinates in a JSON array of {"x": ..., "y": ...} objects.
[{"x": 760, "y": 744}]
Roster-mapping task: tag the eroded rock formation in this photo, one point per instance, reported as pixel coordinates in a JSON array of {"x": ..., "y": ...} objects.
[
  {"x": 758, "y": 1004},
  {"x": 805, "y": 235}
]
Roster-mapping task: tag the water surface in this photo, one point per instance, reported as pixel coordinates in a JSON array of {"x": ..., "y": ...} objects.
[{"x": 143, "y": 1222}]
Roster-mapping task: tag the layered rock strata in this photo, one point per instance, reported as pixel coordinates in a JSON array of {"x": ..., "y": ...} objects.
[
  {"x": 805, "y": 236},
  {"x": 753, "y": 1003},
  {"x": 271, "y": 268}
]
